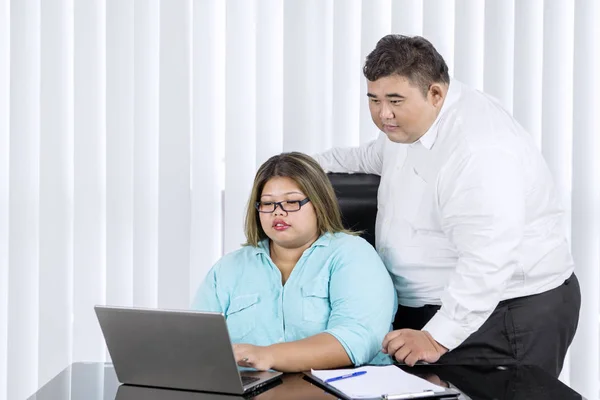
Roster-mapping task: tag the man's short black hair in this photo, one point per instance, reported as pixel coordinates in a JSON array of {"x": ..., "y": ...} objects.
[{"x": 414, "y": 58}]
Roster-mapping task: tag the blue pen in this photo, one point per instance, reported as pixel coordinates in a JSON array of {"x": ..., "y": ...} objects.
[{"x": 352, "y": 375}]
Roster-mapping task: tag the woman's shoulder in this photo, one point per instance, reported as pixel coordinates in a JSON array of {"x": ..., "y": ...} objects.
[
  {"x": 343, "y": 239},
  {"x": 351, "y": 253},
  {"x": 240, "y": 257},
  {"x": 346, "y": 246}
]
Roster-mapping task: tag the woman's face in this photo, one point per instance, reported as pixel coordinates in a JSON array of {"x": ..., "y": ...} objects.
[{"x": 288, "y": 229}]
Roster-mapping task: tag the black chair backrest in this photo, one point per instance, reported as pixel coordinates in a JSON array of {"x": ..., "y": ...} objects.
[{"x": 357, "y": 197}]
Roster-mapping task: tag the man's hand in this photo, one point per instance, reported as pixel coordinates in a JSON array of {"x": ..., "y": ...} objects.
[
  {"x": 409, "y": 346},
  {"x": 258, "y": 357}
]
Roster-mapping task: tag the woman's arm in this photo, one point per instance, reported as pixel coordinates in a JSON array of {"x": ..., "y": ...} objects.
[
  {"x": 363, "y": 300},
  {"x": 321, "y": 351},
  {"x": 206, "y": 298}
]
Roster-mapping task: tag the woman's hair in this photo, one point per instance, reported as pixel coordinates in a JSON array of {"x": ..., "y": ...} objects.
[{"x": 312, "y": 181}]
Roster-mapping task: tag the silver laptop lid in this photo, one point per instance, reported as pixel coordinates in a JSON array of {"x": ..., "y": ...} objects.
[{"x": 173, "y": 349}]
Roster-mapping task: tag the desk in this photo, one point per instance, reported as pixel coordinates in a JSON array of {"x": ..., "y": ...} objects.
[{"x": 97, "y": 381}]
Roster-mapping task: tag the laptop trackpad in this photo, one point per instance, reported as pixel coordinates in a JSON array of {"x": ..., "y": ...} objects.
[{"x": 246, "y": 380}]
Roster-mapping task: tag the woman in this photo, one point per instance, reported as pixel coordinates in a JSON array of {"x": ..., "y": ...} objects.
[{"x": 302, "y": 292}]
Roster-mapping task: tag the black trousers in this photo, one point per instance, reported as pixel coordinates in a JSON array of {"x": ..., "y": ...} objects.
[{"x": 530, "y": 330}]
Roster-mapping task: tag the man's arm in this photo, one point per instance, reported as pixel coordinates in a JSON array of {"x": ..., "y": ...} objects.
[
  {"x": 482, "y": 203},
  {"x": 367, "y": 158}
]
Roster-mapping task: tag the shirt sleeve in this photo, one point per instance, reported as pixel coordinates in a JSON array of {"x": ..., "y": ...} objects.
[
  {"x": 482, "y": 204},
  {"x": 207, "y": 298},
  {"x": 367, "y": 158},
  {"x": 363, "y": 301}
]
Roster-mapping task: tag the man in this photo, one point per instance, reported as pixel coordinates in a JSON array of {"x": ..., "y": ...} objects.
[{"x": 469, "y": 223}]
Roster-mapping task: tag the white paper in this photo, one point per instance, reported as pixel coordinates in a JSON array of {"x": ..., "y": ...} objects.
[{"x": 378, "y": 381}]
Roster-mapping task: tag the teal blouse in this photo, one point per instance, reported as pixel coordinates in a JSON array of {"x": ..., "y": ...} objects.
[{"x": 339, "y": 286}]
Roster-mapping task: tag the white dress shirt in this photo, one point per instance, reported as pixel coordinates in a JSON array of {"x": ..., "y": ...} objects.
[{"x": 468, "y": 215}]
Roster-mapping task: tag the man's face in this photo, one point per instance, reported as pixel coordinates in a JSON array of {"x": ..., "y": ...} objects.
[{"x": 400, "y": 110}]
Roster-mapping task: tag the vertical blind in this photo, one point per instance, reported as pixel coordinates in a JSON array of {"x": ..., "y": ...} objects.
[{"x": 130, "y": 132}]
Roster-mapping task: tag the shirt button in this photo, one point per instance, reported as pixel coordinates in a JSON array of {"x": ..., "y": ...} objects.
[{"x": 280, "y": 339}]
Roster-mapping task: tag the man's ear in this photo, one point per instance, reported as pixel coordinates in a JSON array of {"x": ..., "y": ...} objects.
[{"x": 436, "y": 94}]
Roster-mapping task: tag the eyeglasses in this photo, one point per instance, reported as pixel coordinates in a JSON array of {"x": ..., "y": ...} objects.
[{"x": 287, "y": 206}]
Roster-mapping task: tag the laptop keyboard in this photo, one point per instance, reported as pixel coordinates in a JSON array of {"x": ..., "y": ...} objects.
[{"x": 246, "y": 380}]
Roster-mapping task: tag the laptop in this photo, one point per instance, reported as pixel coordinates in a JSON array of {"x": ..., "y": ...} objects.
[
  {"x": 187, "y": 350},
  {"x": 131, "y": 392}
]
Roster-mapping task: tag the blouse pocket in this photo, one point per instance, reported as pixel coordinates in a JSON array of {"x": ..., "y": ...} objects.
[
  {"x": 241, "y": 316},
  {"x": 315, "y": 301}
]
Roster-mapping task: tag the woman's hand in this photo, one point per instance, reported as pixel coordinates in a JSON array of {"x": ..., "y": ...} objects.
[{"x": 258, "y": 357}]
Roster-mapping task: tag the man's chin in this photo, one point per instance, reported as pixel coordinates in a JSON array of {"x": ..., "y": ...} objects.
[{"x": 399, "y": 137}]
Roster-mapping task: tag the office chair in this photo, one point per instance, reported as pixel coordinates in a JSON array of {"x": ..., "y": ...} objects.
[{"x": 357, "y": 197}]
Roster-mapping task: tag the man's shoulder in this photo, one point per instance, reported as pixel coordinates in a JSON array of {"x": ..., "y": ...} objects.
[{"x": 480, "y": 122}]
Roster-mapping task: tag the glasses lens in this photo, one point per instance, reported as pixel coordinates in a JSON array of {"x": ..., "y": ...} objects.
[
  {"x": 266, "y": 206},
  {"x": 291, "y": 205}
]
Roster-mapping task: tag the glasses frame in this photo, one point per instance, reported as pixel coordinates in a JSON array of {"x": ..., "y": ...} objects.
[{"x": 280, "y": 205}]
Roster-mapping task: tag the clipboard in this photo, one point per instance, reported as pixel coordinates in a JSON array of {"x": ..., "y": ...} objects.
[{"x": 445, "y": 394}]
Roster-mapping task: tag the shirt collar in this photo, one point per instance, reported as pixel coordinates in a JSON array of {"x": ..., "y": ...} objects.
[
  {"x": 428, "y": 139},
  {"x": 322, "y": 241}
]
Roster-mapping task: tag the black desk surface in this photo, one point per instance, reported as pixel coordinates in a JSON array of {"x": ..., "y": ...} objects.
[{"x": 97, "y": 381}]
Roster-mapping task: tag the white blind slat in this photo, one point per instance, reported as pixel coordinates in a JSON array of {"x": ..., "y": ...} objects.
[
  {"x": 499, "y": 50},
  {"x": 347, "y": 74},
  {"x": 56, "y": 188},
  {"x": 4, "y": 178},
  {"x": 468, "y": 39},
  {"x": 529, "y": 52},
  {"x": 269, "y": 80},
  {"x": 119, "y": 148},
  {"x": 145, "y": 153},
  {"x": 308, "y": 68},
  {"x": 89, "y": 229},
  {"x": 557, "y": 97},
  {"x": 23, "y": 275},
  {"x": 208, "y": 139},
  {"x": 407, "y": 17},
  {"x": 174, "y": 154},
  {"x": 240, "y": 114},
  {"x": 438, "y": 27}
]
